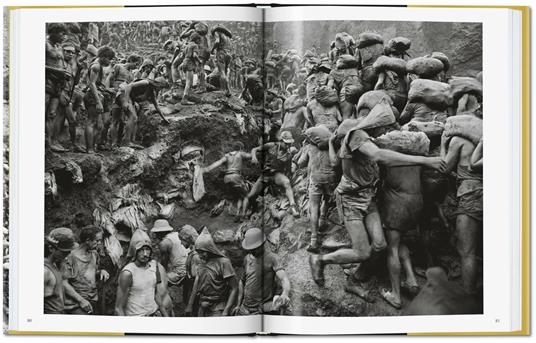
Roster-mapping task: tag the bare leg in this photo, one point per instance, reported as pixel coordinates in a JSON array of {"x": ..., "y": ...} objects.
[
  {"x": 403, "y": 254},
  {"x": 467, "y": 230},
  {"x": 360, "y": 250},
  {"x": 393, "y": 262},
  {"x": 186, "y": 93},
  {"x": 282, "y": 180},
  {"x": 89, "y": 132},
  {"x": 314, "y": 211},
  {"x": 253, "y": 193}
]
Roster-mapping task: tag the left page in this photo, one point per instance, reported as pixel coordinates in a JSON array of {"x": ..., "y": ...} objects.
[{"x": 132, "y": 134}]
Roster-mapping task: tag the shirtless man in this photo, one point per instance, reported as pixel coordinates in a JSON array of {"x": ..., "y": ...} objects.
[
  {"x": 318, "y": 114},
  {"x": 142, "y": 92},
  {"x": 273, "y": 114},
  {"x": 319, "y": 76},
  {"x": 56, "y": 74},
  {"x": 277, "y": 166},
  {"x": 458, "y": 153},
  {"x": 223, "y": 58},
  {"x": 233, "y": 179},
  {"x": 118, "y": 79},
  {"x": 343, "y": 79},
  {"x": 294, "y": 112},
  {"x": 359, "y": 158},
  {"x": 59, "y": 243},
  {"x": 190, "y": 64},
  {"x": 69, "y": 101},
  {"x": 95, "y": 99},
  {"x": 322, "y": 183},
  {"x": 400, "y": 202}
]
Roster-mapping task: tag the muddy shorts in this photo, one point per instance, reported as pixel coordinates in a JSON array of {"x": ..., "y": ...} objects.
[
  {"x": 236, "y": 185},
  {"x": 223, "y": 58},
  {"x": 319, "y": 189},
  {"x": 209, "y": 309},
  {"x": 356, "y": 205},
  {"x": 400, "y": 211},
  {"x": 90, "y": 101},
  {"x": 188, "y": 65},
  {"x": 471, "y": 204}
]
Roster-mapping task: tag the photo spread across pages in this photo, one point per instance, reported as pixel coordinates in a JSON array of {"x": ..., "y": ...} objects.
[{"x": 299, "y": 170}]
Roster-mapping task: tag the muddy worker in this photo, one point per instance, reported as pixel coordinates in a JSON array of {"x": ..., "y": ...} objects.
[
  {"x": 188, "y": 236},
  {"x": 273, "y": 114},
  {"x": 262, "y": 270},
  {"x": 190, "y": 64},
  {"x": 400, "y": 201},
  {"x": 173, "y": 254},
  {"x": 294, "y": 112},
  {"x": 215, "y": 284},
  {"x": 458, "y": 153},
  {"x": 81, "y": 274},
  {"x": 276, "y": 167},
  {"x": 344, "y": 78},
  {"x": 323, "y": 113},
  {"x": 120, "y": 76},
  {"x": 70, "y": 100},
  {"x": 359, "y": 158},
  {"x": 319, "y": 76},
  {"x": 233, "y": 179},
  {"x": 223, "y": 58},
  {"x": 322, "y": 182},
  {"x": 143, "y": 93},
  {"x": 55, "y": 78},
  {"x": 58, "y": 244},
  {"x": 97, "y": 97},
  {"x": 142, "y": 285}
]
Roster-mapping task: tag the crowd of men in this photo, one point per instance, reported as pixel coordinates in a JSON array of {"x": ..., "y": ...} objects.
[
  {"x": 321, "y": 111},
  {"x": 87, "y": 71}
]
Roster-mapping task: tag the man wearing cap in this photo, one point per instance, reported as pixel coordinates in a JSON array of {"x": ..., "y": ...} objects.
[
  {"x": 173, "y": 254},
  {"x": 81, "y": 274},
  {"x": 261, "y": 268},
  {"x": 144, "y": 93},
  {"x": 277, "y": 165},
  {"x": 142, "y": 285},
  {"x": 59, "y": 243},
  {"x": 215, "y": 285},
  {"x": 145, "y": 71},
  {"x": 97, "y": 98}
]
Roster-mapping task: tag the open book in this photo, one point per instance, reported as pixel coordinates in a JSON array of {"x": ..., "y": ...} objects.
[{"x": 294, "y": 170}]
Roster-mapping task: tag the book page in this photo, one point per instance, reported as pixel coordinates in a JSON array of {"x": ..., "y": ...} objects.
[
  {"x": 397, "y": 243},
  {"x": 132, "y": 130}
]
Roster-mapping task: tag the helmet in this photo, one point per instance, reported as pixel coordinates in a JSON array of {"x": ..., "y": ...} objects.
[
  {"x": 62, "y": 239},
  {"x": 253, "y": 238}
]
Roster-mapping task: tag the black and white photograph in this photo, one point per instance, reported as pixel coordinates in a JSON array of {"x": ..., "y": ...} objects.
[{"x": 312, "y": 168}]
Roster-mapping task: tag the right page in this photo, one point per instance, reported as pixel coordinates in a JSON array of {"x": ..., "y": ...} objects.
[{"x": 385, "y": 108}]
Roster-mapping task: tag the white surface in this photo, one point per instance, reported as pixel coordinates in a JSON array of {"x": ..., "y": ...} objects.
[{"x": 303, "y": 339}]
